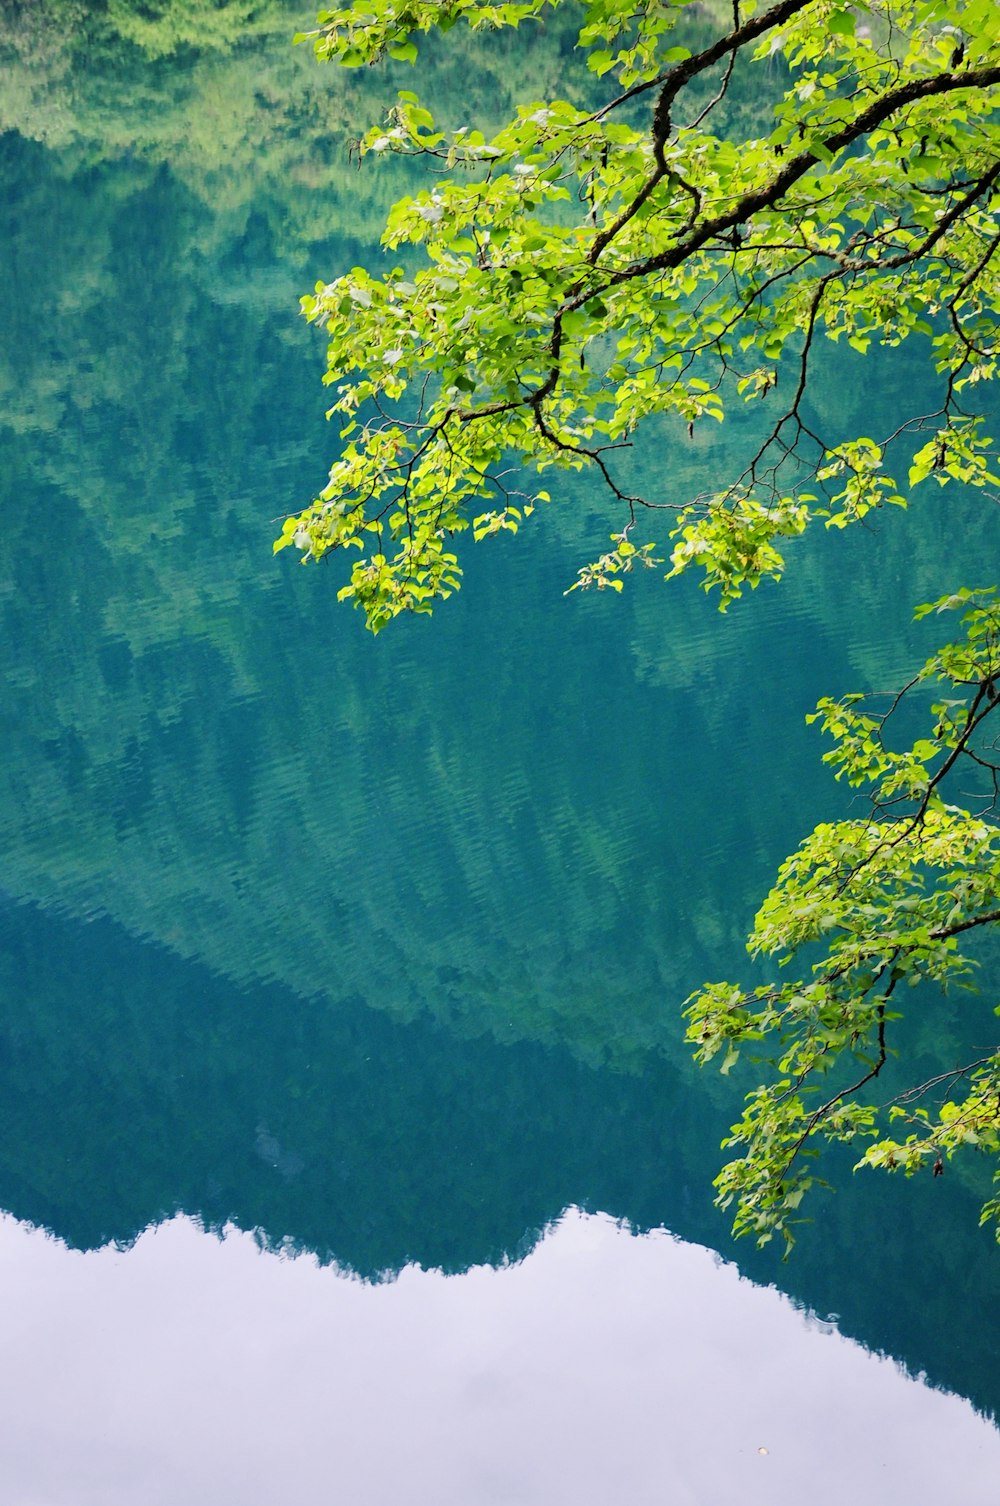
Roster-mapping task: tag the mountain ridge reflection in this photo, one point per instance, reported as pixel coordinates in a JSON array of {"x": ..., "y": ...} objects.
[{"x": 376, "y": 1144}]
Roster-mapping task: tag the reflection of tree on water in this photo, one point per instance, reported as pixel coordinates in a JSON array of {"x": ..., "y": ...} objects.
[
  {"x": 269, "y": 795},
  {"x": 272, "y": 796}
]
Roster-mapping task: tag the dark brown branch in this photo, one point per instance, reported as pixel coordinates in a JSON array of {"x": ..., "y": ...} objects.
[
  {"x": 746, "y": 206},
  {"x": 675, "y": 79},
  {"x": 821, "y": 1113},
  {"x": 950, "y": 1077},
  {"x": 720, "y": 94},
  {"x": 988, "y": 918},
  {"x": 877, "y": 113}
]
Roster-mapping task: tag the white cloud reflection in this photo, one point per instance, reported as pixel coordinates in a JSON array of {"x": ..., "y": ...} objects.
[{"x": 604, "y": 1369}]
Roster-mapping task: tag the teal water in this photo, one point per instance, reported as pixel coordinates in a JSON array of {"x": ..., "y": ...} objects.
[{"x": 375, "y": 951}]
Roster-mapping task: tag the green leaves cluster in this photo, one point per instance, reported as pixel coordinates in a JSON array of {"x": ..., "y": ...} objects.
[
  {"x": 872, "y": 904},
  {"x": 587, "y": 274},
  {"x": 621, "y": 560},
  {"x": 592, "y": 273}
]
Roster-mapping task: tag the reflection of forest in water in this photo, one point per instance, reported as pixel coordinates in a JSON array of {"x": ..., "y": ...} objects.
[{"x": 412, "y": 900}]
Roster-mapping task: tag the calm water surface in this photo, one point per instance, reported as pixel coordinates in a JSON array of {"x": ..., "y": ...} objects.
[{"x": 326, "y": 959}]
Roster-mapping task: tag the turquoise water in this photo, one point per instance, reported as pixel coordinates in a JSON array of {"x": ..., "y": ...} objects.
[{"x": 375, "y": 950}]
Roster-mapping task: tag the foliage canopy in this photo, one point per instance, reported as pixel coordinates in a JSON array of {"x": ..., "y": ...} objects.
[
  {"x": 587, "y": 273},
  {"x": 640, "y": 261}
]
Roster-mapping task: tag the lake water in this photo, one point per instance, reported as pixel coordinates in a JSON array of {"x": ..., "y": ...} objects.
[{"x": 350, "y": 1150}]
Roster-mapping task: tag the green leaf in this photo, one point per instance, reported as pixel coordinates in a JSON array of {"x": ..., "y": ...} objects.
[{"x": 841, "y": 23}]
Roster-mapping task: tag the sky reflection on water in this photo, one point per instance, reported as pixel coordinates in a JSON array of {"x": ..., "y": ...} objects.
[{"x": 605, "y": 1367}]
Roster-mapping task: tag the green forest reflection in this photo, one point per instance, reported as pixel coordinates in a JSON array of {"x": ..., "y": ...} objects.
[{"x": 379, "y": 948}]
